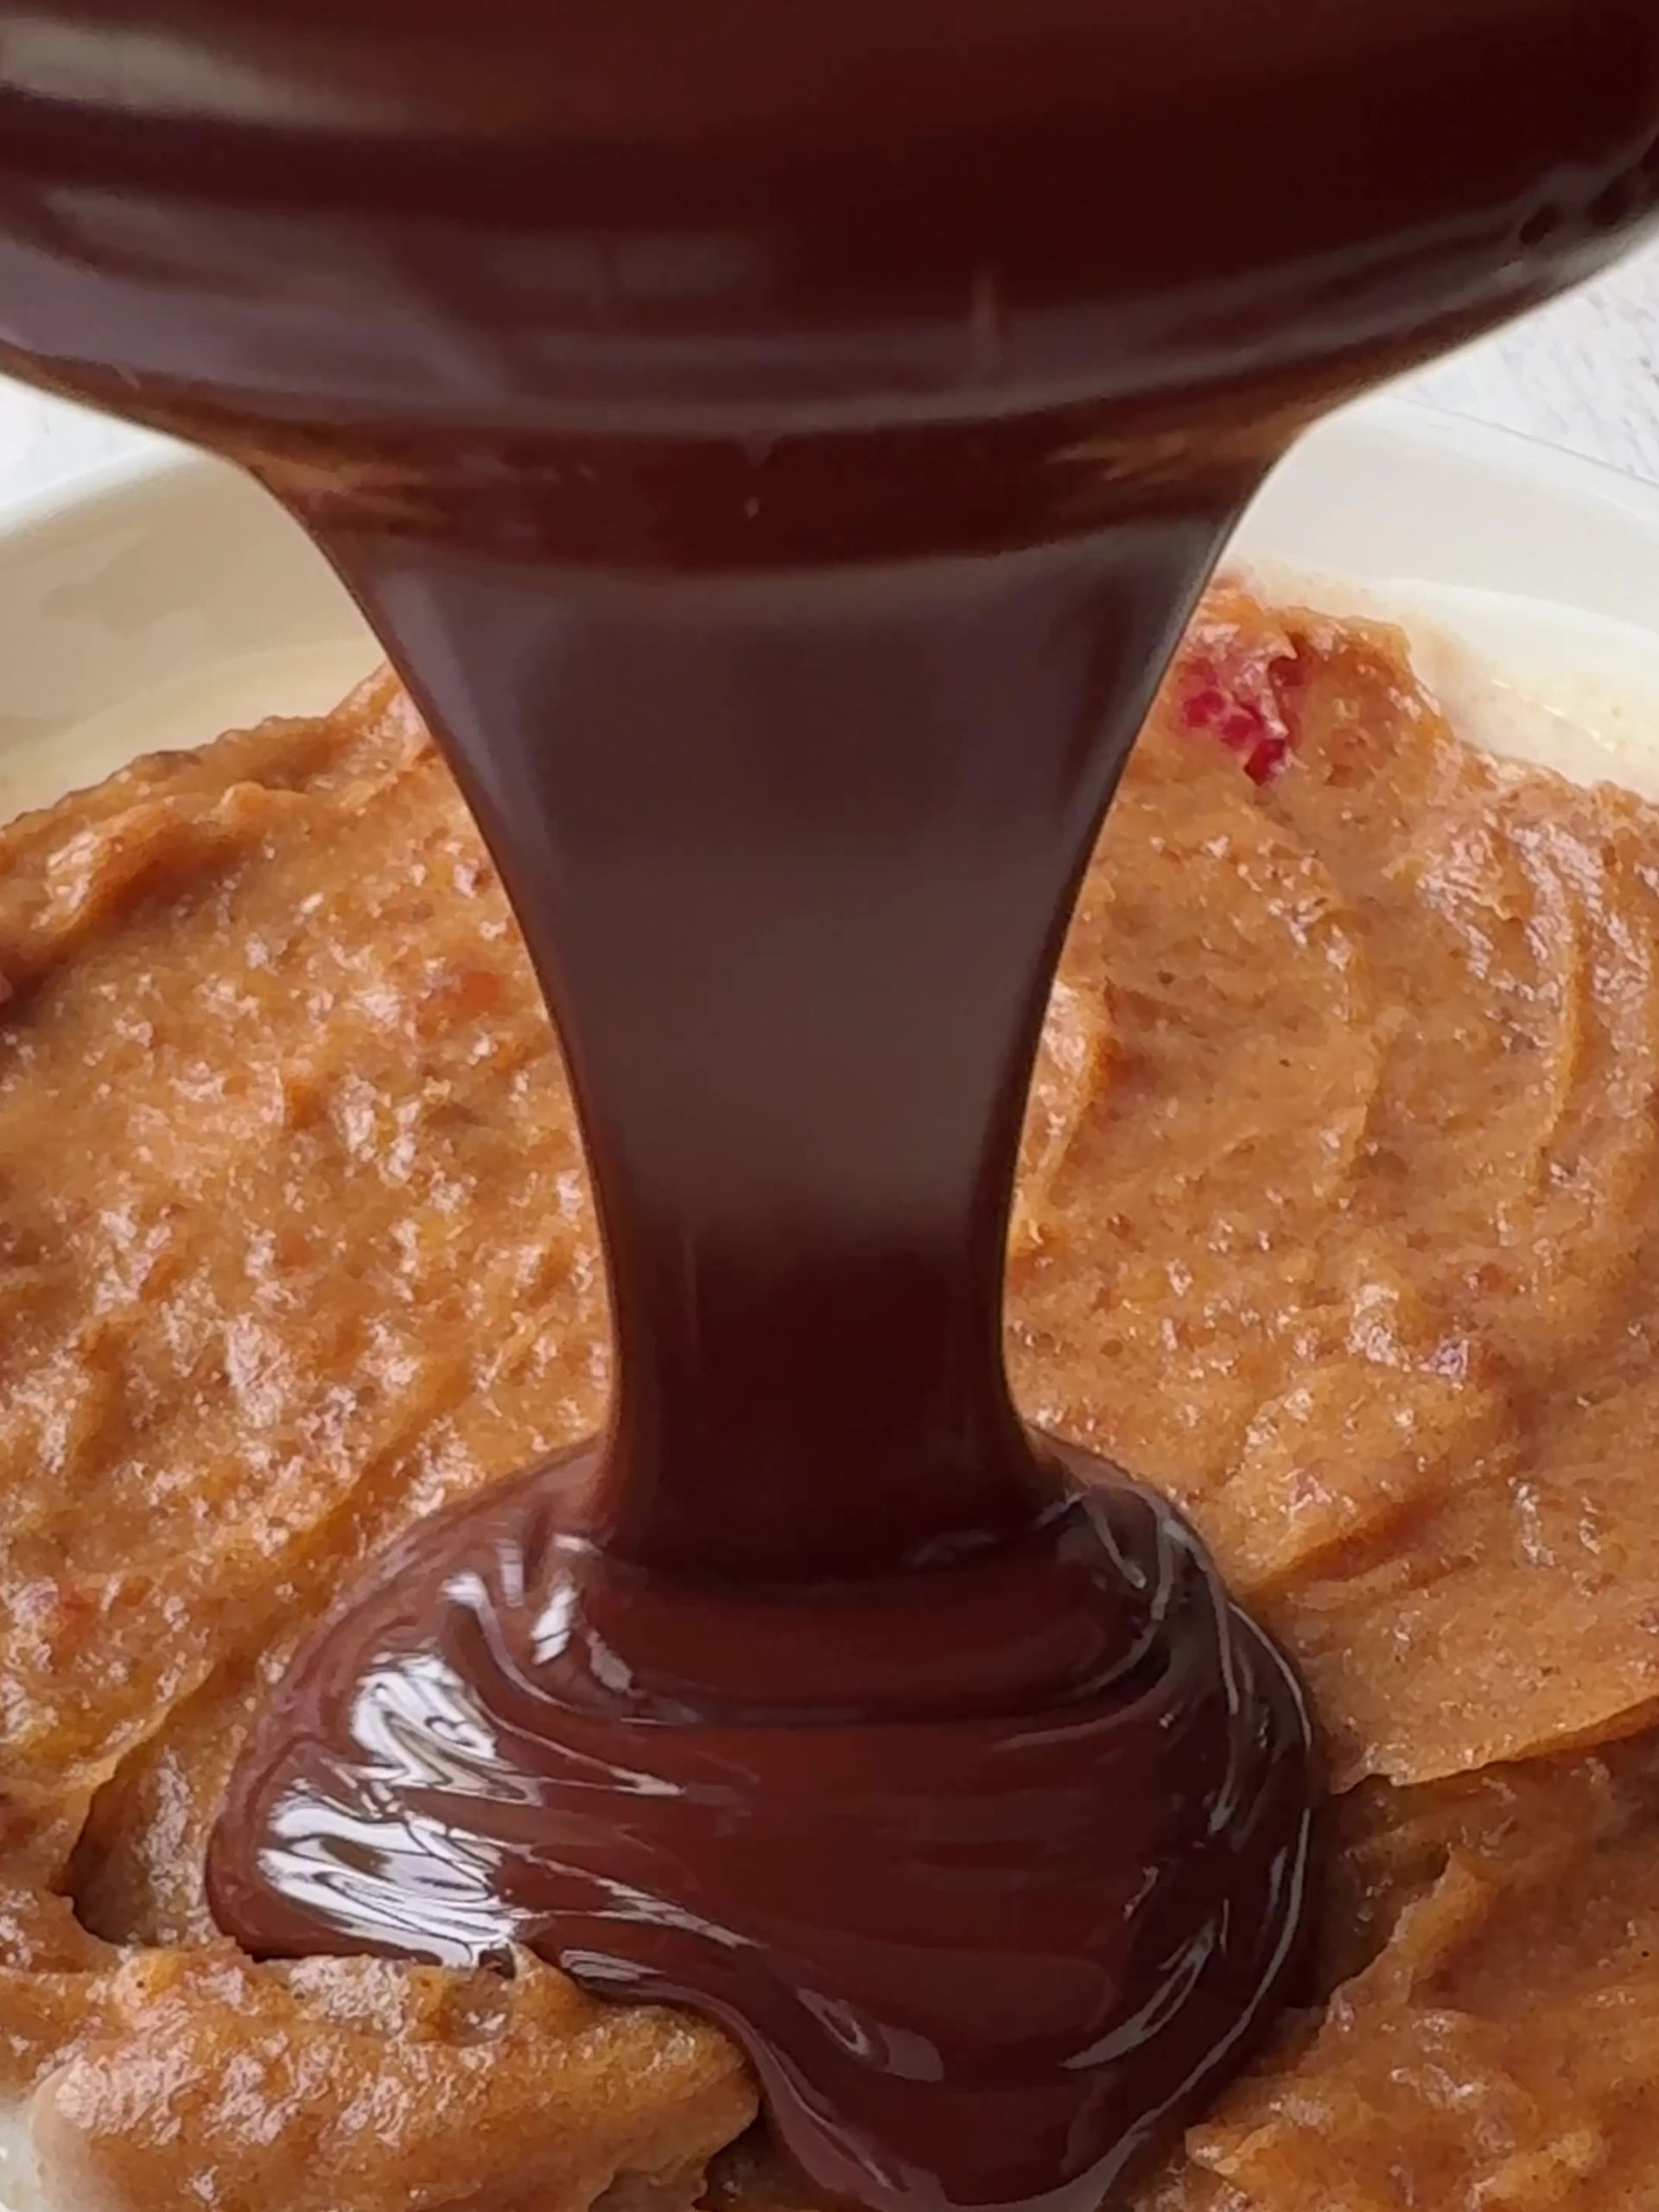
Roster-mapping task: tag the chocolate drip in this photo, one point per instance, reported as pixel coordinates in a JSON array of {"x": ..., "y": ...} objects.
[{"x": 982, "y": 1948}]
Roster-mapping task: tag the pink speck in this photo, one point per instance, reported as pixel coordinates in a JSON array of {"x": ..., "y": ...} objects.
[{"x": 1243, "y": 699}]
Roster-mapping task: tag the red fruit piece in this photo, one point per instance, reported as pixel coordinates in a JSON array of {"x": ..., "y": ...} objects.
[{"x": 1243, "y": 692}]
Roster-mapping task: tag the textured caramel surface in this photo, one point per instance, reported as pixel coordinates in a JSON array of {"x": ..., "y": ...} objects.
[
  {"x": 1357, "y": 1247},
  {"x": 1337, "y": 1218}
]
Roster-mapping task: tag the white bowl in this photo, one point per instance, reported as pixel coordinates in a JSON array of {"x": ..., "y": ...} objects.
[{"x": 152, "y": 598}]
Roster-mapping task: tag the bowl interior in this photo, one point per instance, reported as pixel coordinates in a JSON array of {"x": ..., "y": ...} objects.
[{"x": 155, "y": 606}]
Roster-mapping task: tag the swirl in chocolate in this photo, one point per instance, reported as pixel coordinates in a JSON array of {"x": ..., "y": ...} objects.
[{"x": 991, "y": 1868}]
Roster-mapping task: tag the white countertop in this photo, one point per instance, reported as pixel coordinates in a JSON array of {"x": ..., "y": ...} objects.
[{"x": 1583, "y": 374}]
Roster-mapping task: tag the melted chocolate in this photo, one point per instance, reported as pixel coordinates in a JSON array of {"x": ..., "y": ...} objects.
[
  {"x": 989, "y": 1867},
  {"x": 779, "y": 447}
]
